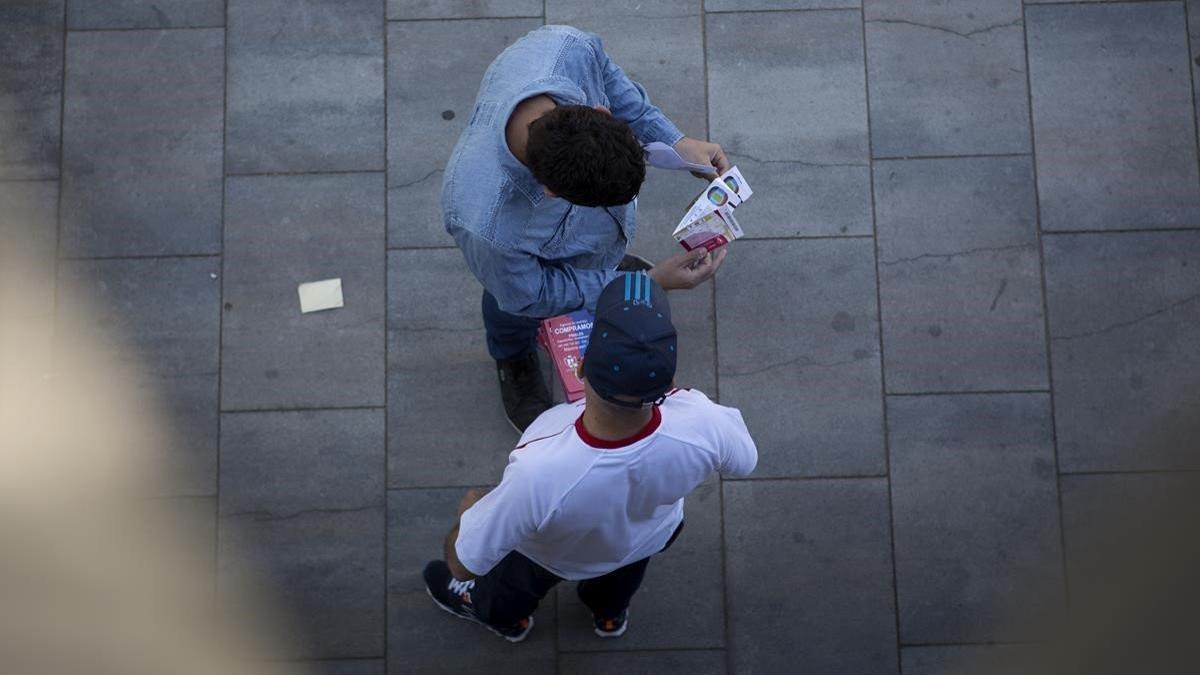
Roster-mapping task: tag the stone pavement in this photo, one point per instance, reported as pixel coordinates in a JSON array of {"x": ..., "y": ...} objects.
[{"x": 971, "y": 286}]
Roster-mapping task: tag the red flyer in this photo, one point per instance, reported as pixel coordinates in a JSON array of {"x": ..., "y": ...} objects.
[{"x": 565, "y": 339}]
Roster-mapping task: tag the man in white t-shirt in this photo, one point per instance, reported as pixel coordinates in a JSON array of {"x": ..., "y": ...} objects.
[{"x": 594, "y": 488}]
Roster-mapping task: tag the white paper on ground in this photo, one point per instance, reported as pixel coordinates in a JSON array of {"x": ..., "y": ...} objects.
[
  {"x": 318, "y": 295},
  {"x": 662, "y": 156}
]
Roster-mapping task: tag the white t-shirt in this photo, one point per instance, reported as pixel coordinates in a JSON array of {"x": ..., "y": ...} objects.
[{"x": 582, "y": 507}]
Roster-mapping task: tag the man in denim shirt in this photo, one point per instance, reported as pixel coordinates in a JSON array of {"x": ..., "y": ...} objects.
[{"x": 540, "y": 194}]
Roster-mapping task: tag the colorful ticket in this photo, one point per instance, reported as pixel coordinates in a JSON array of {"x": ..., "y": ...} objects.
[
  {"x": 711, "y": 231},
  {"x": 710, "y": 223}
]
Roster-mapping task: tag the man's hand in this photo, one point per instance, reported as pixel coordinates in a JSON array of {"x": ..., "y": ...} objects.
[
  {"x": 703, "y": 152},
  {"x": 687, "y": 270}
]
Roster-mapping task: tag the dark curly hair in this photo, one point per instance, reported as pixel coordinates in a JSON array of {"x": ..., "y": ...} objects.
[{"x": 585, "y": 156}]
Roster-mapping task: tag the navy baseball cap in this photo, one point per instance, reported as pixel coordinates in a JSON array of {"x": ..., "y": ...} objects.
[{"x": 631, "y": 351}]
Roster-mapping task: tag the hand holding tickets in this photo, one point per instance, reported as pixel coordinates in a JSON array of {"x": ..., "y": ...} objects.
[{"x": 709, "y": 223}]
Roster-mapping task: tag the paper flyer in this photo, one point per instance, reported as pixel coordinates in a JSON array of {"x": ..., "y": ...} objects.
[
  {"x": 316, "y": 296},
  {"x": 565, "y": 339},
  {"x": 710, "y": 223}
]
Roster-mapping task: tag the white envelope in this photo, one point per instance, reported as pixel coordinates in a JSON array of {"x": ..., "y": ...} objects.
[
  {"x": 318, "y": 295},
  {"x": 663, "y": 156}
]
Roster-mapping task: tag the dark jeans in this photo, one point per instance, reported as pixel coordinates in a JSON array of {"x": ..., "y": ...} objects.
[
  {"x": 508, "y": 335},
  {"x": 515, "y": 586}
]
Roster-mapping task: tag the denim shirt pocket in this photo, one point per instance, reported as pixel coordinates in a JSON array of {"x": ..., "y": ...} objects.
[
  {"x": 626, "y": 219},
  {"x": 588, "y": 237},
  {"x": 553, "y": 245}
]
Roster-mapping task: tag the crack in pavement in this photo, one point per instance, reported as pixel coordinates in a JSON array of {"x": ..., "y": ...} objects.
[
  {"x": 947, "y": 256},
  {"x": 967, "y": 35},
  {"x": 268, "y": 515},
  {"x": 414, "y": 182},
  {"x": 436, "y": 329},
  {"x": 1003, "y": 285},
  {"x": 794, "y": 161},
  {"x": 806, "y": 362},
  {"x": 1126, "y": 324}
]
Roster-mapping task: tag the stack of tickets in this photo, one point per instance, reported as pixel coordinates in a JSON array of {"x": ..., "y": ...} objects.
[{"x": 709, "y": 223}]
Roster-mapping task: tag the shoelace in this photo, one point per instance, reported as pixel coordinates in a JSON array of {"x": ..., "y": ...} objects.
[{"x": 460, "y": 587}]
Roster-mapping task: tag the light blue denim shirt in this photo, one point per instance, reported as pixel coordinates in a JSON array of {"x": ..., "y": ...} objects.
[{"x": 541, "y": 256}]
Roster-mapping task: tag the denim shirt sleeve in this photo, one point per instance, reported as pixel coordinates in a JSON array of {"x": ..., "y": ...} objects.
[
  {"x": 629, "y": 102},
  {"x": 524, "y": 285}
]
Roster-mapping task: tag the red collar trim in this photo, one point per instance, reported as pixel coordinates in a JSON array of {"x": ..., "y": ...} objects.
[{"x": 587, "y": 437}]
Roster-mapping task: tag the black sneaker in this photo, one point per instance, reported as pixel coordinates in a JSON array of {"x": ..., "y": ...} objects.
[
  {"x": 523, "y": 390},
  {"x": 454, "y": 596},
  {"x": 634, "y": 263},
  {"x": 611, "y": 628}
]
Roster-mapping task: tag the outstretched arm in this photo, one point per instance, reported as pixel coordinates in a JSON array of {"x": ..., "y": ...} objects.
[
  {"x": 629, "y": 102},
  {"x": 526, "y": 285}
]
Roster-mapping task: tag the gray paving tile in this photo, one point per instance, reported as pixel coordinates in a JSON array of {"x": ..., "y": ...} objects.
[
  {"x": 142, "y": 143},
  {"x": 145, "y": 13},
  {"x": 281, "y": 231},
  {"x": 31, "y": 61},
  {"x": 960, "y": 659},
  {"x": 302, "y": 519},
  {"x": 946, "y": 79},
  {"x": 1124, "y": 321},
  {"x": 422, "y": 638},
  {"x": 809, "y": 571},
  {"x": 707, "y": 662},
  {"x": 804, "y": 366},
  {"x": 661, "y": 616},
  {"x": 165, "y": 316},
  {"x": 749, "y": 5},
  {"x": 332, "y": 667},
  {"x": 1111, "y": 103},
  {"x": 306, "y": 86},
  {"x": 660, "y": 46},
  {"x": 434, "y": 71},
  {"x": 29, "y": 229},
  {"x": 437, "y": 354},
  {"x": 802, "y": 144},
  {"x": 455, "y": 9},
  {"x": 960, "y": 276},
  {"x": 975, "y": 502}
]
